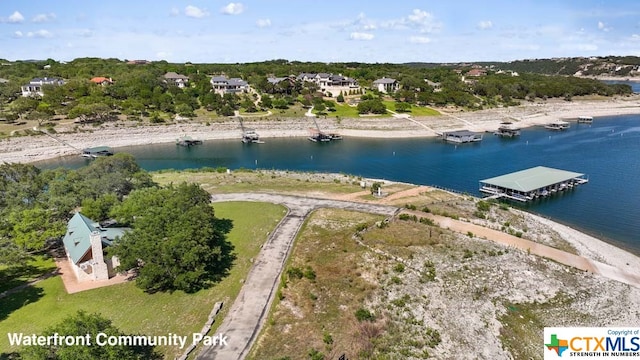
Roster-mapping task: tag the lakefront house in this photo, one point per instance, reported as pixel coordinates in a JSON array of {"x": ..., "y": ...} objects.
[
  {"x": 224, "y": 85},
  {"x": 176, "y": 79},
  {"x": 34, "y": 87},
  {"x": 84, "y": 244},
  {"x": 330, "y": 84},
  {"x": 386, "y": 85}
]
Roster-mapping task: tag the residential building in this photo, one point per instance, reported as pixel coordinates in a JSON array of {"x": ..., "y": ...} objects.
[
  {"x": 330, "y": 83},
  {"x": 34, "y": 87},
  {"x": 101, "y": 80},
  {"x": 3, "y": 81},
  {"x": 386, "y": 85},
  {"x": 176, "y": 79},
  {"x": 223, "y": 85},
  {"x": 84, "y": 245},
  {"x": 437, "y": 87}
]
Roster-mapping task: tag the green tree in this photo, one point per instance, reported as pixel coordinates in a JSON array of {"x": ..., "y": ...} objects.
[
  {"x": 340, "y": 98},
  {"x": 80, "y": 325},
  {"x": 176, "y": 243},
  {"x": 98, "y": 209},
  {"x": 403, "y": 107},
  {"x": 32, "y": 228}
]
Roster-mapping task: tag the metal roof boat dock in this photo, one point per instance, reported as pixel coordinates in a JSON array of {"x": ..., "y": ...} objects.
[
  {"x": 97, "y": 151},
  {"x": 507, "y": 129},
  {"x": 530, "y": 184},
  {"x": 461, "y": 136}
]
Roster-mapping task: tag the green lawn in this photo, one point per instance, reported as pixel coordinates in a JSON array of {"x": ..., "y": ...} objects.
[
  {"x": 11, "y": 277},
  {"x": 415, "y": 110},
  {"x": 344, "y": 111},
  {"x": 133, "y": 311}
]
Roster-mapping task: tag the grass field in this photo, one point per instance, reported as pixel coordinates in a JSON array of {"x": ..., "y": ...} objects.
[
  {"x": 315, "y": 313},
  {"x": 10, "y": 277},
  {"x": 415, "y": 110},
  {"x": 287, "y": 183},
  {"x": 133, "y": 311}
]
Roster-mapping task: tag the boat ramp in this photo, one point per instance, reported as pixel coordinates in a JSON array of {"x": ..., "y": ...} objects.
[{"x": 530, "y": 184}]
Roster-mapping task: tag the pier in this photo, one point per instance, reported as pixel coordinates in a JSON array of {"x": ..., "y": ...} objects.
[{"x": 530, "y": 184}]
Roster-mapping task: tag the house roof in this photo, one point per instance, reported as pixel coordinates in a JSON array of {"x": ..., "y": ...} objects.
[
  {"x": 3, "y": 80},
  {"x": 237, "y": 82},
  {"x": 532, "y": 179},
  {"x": 219, "y": 78},
  {"x": 385, "y": 81},
  {"x": 47, "y": 80},
  {"x": 100, "y": 79},
  {"x": 77, "y": 240},
  {"x": 175, "y": 76}
]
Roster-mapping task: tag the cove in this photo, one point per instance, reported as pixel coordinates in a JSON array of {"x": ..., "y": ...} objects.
[{"x": 608, "y": 151}]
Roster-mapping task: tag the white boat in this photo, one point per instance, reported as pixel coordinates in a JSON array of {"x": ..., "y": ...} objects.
[{"x": 585, "y": 119}]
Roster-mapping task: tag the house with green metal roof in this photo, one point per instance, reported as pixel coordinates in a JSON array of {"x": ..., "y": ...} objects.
[{"x": 84, "y": 244}]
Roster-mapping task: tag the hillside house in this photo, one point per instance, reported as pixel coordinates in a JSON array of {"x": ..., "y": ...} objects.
[
  {"x": 386, "y": 85},
  {"x": 176, "y": 79},
  {"x": 223, "y": 85},
  {"x": 101, "y": 80},
  {"x": 330, "y": 83},
  {"x": 34, "y": 87},
  {"x": 437, "y": 87},
  {"x": 84, "y": 245}
]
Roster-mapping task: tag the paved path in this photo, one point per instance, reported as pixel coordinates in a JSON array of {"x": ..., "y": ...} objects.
[{"x": 248, "y": 312}]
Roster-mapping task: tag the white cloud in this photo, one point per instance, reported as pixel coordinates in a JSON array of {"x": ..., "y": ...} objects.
[
  {"x": 40, "y": 34},
  {"x": 195, "y": 12},
  {"x": 16, "y": 17},
  {"x": 233, "y": 9},
  {"x": 361, "y": 36},
  {"x": 85, "y": 33},
  {"x": 602, "y": 26},
  {"x": 40, "y": 18},
  {"x": 485, "y": 25},
  {"x": 635, "y": 37},
  {"x": 422, "y": 20},
  {"x": 263, "y": 23},
  {"x": 174, "y": 11},
  {"x": 18, "y": 34},
  {"x": 419, "y": 40}
]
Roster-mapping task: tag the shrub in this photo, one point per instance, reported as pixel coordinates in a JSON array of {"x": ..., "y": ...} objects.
[
  {"x": 363, "y": 314},
  {"x": 309, "y": 273},
  {"x": 295, "y": 273},
  {"x": 483, "y": 205},
  {"x": 399, "y": 268}
]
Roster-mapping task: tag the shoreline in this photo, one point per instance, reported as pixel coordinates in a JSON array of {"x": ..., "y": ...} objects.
[
  {"x": 42, "y": 147},
  {"x": 26, "y": 149}
]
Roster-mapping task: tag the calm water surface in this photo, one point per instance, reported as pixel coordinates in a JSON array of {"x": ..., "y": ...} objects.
[{"x": 608, "y": 151}]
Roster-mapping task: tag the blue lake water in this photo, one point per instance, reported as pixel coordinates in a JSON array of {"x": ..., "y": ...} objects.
[
  {"x": 608, "y": 151},
  {"x": 635, "y": 85}
]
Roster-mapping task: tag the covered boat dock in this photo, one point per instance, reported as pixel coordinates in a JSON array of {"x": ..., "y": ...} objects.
[{"x": 530, "y": 184}]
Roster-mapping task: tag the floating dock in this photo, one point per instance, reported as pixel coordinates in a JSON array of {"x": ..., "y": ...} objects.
[
  {"x": 250, "y": 136},
  {"x": 585, "y": 119},
  {"x": 507, "y": 129},
  {"x": 530, "y": 184},
  {"x": 95, "y": 152},
  {"x": 558, "y": 125},
  {"x": 462, "y": 136},
  {"x": 187, "y": 141}
]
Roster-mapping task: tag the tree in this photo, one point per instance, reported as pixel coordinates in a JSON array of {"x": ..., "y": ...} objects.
[
  {"x": 98, "y": 209},
  {"x": 32, "y": 228},
  {"x": 79, "y": 325},
  {"x": 403, "y": 107},
  {"x": 176, "y": 243},
  {"x": 340, "y": 98}
]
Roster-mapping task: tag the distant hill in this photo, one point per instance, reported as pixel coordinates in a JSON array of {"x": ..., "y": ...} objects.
[{"x": 579, "y": 66}]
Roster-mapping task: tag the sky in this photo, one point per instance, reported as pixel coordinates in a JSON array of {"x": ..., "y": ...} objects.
[{"x": 210, "y": 31}]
